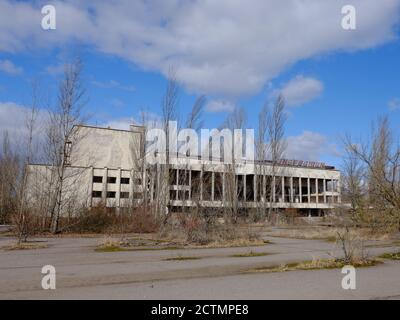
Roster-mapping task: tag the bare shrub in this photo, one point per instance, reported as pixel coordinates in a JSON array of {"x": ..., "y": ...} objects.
[
  {"x": 142, "y": 221},
  {"x": 101, "y": 219},
  {"x": 26, "y": 224},
  {"x": 94, "y": 220},
  {"x": 205, "y": 229},
  {"x": 352, "y": 247}
]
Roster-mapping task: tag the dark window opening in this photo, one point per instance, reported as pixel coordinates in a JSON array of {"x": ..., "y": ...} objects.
[
  {"x": 97, "y": 179},
  {"x": 96, "y": 194},
  {"x": 125, "y": 180},
  {"x": 111, "y": 194},
  {"x": 111, "y": 179},
  {"x": 124, "y": 195}
]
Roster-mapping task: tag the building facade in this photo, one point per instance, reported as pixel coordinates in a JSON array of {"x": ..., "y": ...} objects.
[{"x": 106, "y": 166}]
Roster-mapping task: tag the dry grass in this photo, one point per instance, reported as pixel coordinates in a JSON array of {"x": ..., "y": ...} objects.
[
  {"x": 317, "y": 264},
  {"x": 391, "y": 256},
  {"x": 25, "y": 246},
  {"x": 250, "y": 254},
  {"x": 110, "y": 244},
  {"x": 327, "y": 233},
  {"x": 243, "y": 242}
]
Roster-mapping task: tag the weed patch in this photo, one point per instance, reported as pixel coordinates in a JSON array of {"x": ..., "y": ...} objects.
[
  {"x": 316, "y": 264},
  {"x": 391, "y": 256},
  {"x": 250, "y": 254}
]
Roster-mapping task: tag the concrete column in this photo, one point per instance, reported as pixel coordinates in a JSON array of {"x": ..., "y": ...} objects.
[
  {"x": 324, "y": 190},
  {"x": 190, "y": 185},
  {"x": 308, "y": 190},
  {"x": 255, "y": 187},
  {"x": 264, "y": 188},
  {"x": 118, "y": 189},
  {"x": 91, "y": 187},
  {"x": 338, "y": 189},
  {"x": 177, "y": 184},
  {"x": 244, "y": 188},
  {"x": 223, "y": 187},
  {"x": 300, "y": 191},
  {"x": 273, "y": 189},
  {"x": 201, "y": 184},
  {"x": 291, "y": 190},
  {"x": 104, "y": 191},
  {"x": 283, "y": 189},
  {"x": 316, "y": 190},
  {"x": 212, "y": 185}
]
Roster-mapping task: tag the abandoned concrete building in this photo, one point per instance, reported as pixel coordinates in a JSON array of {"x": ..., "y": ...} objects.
[{"x": 102, "y": 167}]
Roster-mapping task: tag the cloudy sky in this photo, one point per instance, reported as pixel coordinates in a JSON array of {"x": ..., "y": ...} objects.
[{"x": 236, "y": 53}]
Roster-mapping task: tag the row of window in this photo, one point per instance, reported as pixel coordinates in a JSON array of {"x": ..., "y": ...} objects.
[
  {"x": 110, "y": 194},
  {"x": 99, "y": 179},
  {"x": 113, "y": 194}
]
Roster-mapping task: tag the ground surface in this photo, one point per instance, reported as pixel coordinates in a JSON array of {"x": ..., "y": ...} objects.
[{"x": 83, "y": 273}]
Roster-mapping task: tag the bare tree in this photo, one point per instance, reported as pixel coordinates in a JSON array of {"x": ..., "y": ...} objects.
[
  {"x": 14, "y": 172},
  {"x": 261, "y": 157},
  {"x": 169, "y": 109},
  {"x": 9, "y": 173},
  {"x": 234, "y": 184},
  {"x": 62, "y": 133},
  {"x": 277, "y": 144},
  {"x": 381, "y": 161},
  {"x": 194, "y": 119},
  {"x": 353, "y": 176}
]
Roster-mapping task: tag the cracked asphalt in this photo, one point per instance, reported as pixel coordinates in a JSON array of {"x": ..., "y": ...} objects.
[{"x": 82, "y": 273}]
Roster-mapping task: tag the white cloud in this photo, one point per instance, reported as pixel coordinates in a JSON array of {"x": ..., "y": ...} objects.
[
  {"x": 222, "y": 47},
  {"x": 55, "y": 69},
  {"x": 8, "y": 67},
  {"x": 219, "y": 106},
  {"x": 122, "y": 123},
  {"x": 309, "y": 146},
  {"x": 113, "y": 84},
  {"x": 13, "y": 119},
  {"x": 151, "y": 119},
  {"x": 301, "y": 90},
  {"x": 394, "y": 104}
]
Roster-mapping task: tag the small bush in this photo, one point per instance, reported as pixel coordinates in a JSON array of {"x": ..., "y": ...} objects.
[{"x": 107, "y": 220}]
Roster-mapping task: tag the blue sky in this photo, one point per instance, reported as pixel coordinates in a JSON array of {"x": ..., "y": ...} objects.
[{"x": 336, "y": 81}]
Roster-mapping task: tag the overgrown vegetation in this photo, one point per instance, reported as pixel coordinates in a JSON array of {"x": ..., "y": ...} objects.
[
  {"x": 372, "y": 180},
  {"x": 391, "y": 256},
  {"x": 104, "y": 220},
  {"x": 317, "y": 264},
  {"x": 250, "y": 254},
  {"x": 196, "y": 229},
  {"x": 25, "y": 246}
]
